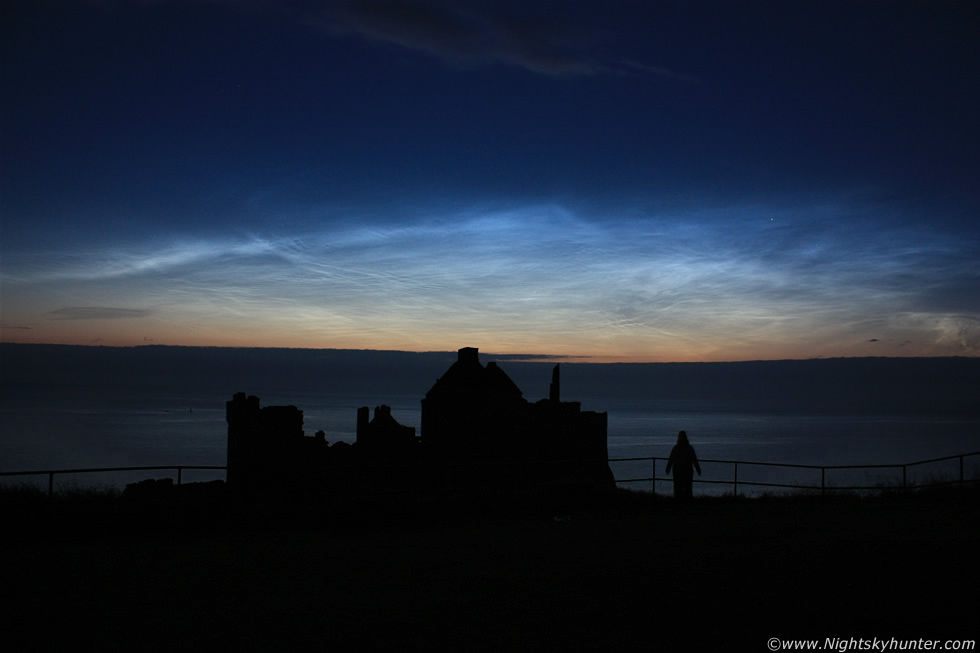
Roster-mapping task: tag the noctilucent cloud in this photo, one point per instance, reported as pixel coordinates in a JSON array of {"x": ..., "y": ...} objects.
[{"x": 641, "y": 181}]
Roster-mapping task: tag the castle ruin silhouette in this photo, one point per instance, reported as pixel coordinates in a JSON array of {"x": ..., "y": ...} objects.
[{"x": 478, "y": 432}]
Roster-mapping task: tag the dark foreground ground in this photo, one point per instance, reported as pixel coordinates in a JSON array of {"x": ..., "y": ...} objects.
[{"x": 620, "y": 573}]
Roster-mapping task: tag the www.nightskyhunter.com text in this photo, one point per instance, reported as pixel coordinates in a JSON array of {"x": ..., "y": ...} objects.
[{"x": 843, "y": 645}]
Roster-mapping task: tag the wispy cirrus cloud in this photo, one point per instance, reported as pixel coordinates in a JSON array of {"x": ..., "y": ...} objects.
[
  {"x": 534, "y": 36},
  {"x": 541, "y": 37},
  {"x": 708, "y": 282},
  {"x": 467, "y": 34},
  {"x": 97, "y": 313},
  {"x": 660, "y": 71}
]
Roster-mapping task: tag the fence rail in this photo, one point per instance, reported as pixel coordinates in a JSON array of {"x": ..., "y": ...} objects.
[
  {"x": 50, "y": 473},
  {"x": 823, "y": 487},
  {"x": 653, "y": 478}
]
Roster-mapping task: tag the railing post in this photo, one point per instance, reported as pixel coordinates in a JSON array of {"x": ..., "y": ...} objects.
[
  {"x": 50, "y": 484},
  {"x": 735, "y": 487},
  {"x": 823, "y": 476},
  {"x": 961, "y": 471},
  {"x": 179, "y": 472},
  {"x": 653, "y": 476},
  {"x": 904, "y": 477}
]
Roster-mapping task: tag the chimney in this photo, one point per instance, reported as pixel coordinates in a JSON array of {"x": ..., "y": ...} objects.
[{"x": 469, "y": 355}]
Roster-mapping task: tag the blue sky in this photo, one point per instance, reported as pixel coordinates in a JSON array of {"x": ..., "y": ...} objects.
[{"x": 615, "y": 180}]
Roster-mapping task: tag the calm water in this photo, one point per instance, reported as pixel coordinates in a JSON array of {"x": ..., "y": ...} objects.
[{"x": 78, "y": 431}]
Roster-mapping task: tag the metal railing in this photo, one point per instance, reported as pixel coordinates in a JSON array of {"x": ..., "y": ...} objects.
[
  {"x": 823, "y": 487},
  {"x": 653, "y": 478},
  {"x": 50, "y": 473}
]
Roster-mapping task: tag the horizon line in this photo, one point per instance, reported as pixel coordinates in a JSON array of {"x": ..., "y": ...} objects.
[{"x": 514, "y": 358}]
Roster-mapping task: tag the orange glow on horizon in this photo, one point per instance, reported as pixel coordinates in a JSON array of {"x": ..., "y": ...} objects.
[{"x": 578, "y": 351}]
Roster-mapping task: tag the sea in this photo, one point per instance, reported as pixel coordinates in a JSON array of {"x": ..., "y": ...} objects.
[
  {"x": 76, "y": 424},
  {"x": 84, "y": 432}
]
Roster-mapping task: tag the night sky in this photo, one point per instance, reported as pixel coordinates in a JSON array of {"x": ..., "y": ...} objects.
[{"x": 648, "y": 181}]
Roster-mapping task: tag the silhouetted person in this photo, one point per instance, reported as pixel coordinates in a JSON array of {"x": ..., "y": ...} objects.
[{"x": 683, "y": 461}]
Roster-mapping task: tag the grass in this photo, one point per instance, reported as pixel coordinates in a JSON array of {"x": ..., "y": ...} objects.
[{"x": 624, "y": 570}]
